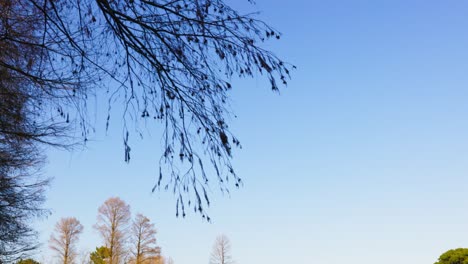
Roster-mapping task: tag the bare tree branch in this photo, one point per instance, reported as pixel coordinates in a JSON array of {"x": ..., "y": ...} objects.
[
  {"x": 221, "y": 253},
  {"x": 113, "y": 218},
  {"x": 166, "y": 61},
  {"x": 63, "y": 242}
]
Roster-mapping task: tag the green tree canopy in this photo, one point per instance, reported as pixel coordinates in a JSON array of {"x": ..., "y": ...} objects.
[
  {"x": 27, "y": 261},
  {"x": 454, "y": 256},
  {"x": 99, "y": 256}
]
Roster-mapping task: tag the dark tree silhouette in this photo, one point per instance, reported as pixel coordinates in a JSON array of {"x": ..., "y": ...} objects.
[
  {"x": 21, "y": 192},
  {"x": 21, "y": 187},
  {"x": 23, "y": 130},
  {"x": 170, "y": 61}
]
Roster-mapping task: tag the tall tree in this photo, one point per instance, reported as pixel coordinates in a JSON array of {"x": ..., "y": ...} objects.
[
  {"x": 63, "y": 242},
  {"x": 221, "y": 253},
  {"x": 24, "y": 128},
  {"x": 21, "y": 197},
  {"x": 21, "y": 186},
  {"x": 113, "y": 219},
  {"x": 143, "y": 239},
  {"x": 171, "y": 61}
]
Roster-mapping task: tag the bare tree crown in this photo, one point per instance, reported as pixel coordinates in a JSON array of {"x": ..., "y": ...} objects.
[
  {"x": 221, "y": 252},
  {"x": 64, "y": 239},
  {"x": 113, "y": 219},
  {"x": 143, "y": 240}
]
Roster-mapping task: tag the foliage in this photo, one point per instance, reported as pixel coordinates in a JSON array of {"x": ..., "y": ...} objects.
[
  {"x": 167, "y": 61},
  {"x": 143, "y": 241},
  {"x": 454, "y": 256},
  {"x": 100, "y": 255}
]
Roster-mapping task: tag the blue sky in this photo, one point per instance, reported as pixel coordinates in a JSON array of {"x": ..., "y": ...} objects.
[{"x": 363, "y": 157}]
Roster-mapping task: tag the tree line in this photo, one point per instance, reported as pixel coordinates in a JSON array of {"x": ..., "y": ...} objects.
[{"x": 125, "y": 240}]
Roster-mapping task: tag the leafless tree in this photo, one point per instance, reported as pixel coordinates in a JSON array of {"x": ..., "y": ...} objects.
[
  {"x": 21, "y": 185},
  {"x": 35, "y": 102},
  {"x": 169, "y": 261},
  {"x": 170, "y": 61},
  {"x": 155, "y": 260},
  {"x": 24, "y": 129},
  {"x": 113, "y": 219},
  {"x": 221, "y": 253},
  {"x": 21, "y": 197},
  {"x": 63, "y": 241},
  {"x": 143, "y": 240}
]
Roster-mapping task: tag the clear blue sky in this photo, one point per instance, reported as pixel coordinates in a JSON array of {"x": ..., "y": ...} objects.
[{"x": 363, "y": 158}]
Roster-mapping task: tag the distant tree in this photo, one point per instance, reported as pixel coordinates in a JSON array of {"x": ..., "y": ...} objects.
[
  {"x": 454, "y": 256},
  {"x": 27, "y": 261},
  {"x": 113, "y": 219},
  {"x": 221, "y": 253},
  {"x": 143, "y": 241},
  {"x": 100, "y": 256},
  {"x": 171, "y": 61},
  {"x": 169, "y": 261},
  {"x": 63, "y": 241}
]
